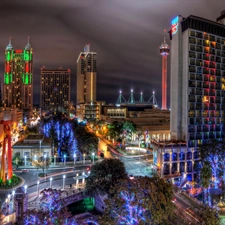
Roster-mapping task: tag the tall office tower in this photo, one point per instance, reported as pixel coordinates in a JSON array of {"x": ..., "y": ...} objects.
[
  {"x": 18, "y": 81},
  {"x": 164, "y": 52},
  {"x": 55, "y": 89},
  {"x": 86, "y": 76},
  {"x": 197, "y": 79}
]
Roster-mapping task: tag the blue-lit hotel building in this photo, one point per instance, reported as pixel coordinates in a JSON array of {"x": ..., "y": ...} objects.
[{"x": 197, "y": 92}]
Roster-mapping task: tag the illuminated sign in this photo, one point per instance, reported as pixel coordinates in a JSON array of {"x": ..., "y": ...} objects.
[
  {"x": 18, "y": 51},
  {"x": 174, "y": 25}
]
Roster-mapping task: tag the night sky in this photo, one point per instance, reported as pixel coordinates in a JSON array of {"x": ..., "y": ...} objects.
[{"x": 126, "y": 34}]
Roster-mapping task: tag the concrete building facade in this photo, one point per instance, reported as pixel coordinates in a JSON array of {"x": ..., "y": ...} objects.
[
  {"x": 197, "y": 81},
  {"x": 197, "y": 91},
  {"x": 152, "y": 122},
  {"x": 87, "y": 107},
  {"x": 86, "y": 76},
  {"x": 55, "y": 89}
]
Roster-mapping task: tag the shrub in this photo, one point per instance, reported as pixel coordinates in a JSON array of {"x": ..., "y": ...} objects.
[{"x": 14, "y": 181}]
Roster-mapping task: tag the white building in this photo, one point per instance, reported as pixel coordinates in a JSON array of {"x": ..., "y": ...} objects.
[{"x": 34, "y": 145}]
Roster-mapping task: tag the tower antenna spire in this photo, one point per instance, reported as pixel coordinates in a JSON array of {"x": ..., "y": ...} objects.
[
  {"x": 10, "y": 40},
  {"x": 28, "y": 39},
  {"x": 164, "y": 36}
]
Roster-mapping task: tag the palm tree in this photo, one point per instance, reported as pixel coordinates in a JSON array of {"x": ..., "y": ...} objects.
[{"x": 205, "y": 176}]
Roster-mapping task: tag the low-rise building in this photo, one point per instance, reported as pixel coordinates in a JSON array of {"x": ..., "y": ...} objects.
[
  {"x": 173, "y": 158},
  {"x": 34, "y": 145},
  {"x": 154, "y": 123},
  {"x": 89, "y": 110}
]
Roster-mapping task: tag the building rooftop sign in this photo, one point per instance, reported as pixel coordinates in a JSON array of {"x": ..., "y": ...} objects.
[{"x": 174, "y": 24}]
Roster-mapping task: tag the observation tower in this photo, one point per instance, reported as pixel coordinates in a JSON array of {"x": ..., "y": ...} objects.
[{"x": 164, "y": 52}]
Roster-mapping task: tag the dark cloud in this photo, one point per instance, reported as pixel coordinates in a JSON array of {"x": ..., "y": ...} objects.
[{"x": 126, "y": 34}]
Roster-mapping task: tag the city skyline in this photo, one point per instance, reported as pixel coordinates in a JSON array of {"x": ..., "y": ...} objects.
[{"x": 125, "y": 35}]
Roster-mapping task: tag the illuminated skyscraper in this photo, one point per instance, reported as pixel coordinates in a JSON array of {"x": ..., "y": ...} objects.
[
  {"x": 164, "y": 52},
  {"x": 86, "y": 76},
  {"x": 17, "y": 84},
  {"x": 55, "y": 89},
  {"x": 197, "y": 93},
  {"x": 197, "y": 79}
]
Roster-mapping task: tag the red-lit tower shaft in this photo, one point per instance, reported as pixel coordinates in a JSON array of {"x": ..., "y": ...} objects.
[
  {"x": 164, "y": 52},
  {"x": 164, "y": 82}
]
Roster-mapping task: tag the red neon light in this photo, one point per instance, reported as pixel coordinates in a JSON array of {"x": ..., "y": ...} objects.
[
  {"x": 174, "y": 28},
  {"x": 27, "y": 68},
  {"x": 7, "y": 68},
  {"x": 18, "y": 51}
]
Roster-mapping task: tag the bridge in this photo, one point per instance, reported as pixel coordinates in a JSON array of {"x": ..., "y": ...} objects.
[{"x": 73, "y": 198}]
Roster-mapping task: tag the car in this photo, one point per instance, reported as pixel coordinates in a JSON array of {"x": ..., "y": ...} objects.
[
  {"x": 131, "y": 176},
  {"x": 174, "y": 200},
  {"x": 88, "y": 168},
  {"x": 25, "y": 171}
]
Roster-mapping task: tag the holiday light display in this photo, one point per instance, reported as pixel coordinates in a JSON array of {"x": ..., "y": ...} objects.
[
  {"x": 63, "y": 134},
  {"x": 134, "y": 212},
  {"x": 18, "y": 77},
  {"x": 52, "y": 211}
]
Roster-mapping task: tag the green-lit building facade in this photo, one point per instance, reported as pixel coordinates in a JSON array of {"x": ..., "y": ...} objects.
[{"x": 18, "y": 81}]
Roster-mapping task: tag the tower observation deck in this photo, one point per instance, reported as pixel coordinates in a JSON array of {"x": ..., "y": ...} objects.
[{"x": 164, "y": 52}]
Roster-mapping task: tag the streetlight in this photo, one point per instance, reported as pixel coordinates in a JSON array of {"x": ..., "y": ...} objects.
[
  {"x": 64, "y": 160},
  {"x": 93, "y": 155},
  {"x": 139, "y": 144},
  {"x": 51, "y": 182},
  {"x": 8, "y": 200},
  {"x": 77, "y": 181},
  {"x": 13, "y": 193},
  {"x": 38, "y": 182},
  {"x": 74, "y": 156},
  {"x": 83, "y": 178},
  {"x": 84, "y": 159},
  {"x": 25, "y": 160},
  {"x": 45, "y": 164},
  {"x": 64, "y": 177}
]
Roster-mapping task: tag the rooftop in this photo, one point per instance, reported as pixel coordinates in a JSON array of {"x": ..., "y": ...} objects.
[
  {"x": 169, "y": 143},
  {"x": 37, "y": 137},
  {"x": 46, "y": 142}
]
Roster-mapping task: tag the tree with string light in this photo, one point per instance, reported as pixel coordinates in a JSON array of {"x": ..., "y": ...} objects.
[
  {"x": 139, "y": 201},
  {"x": 52, "y": 210}
]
